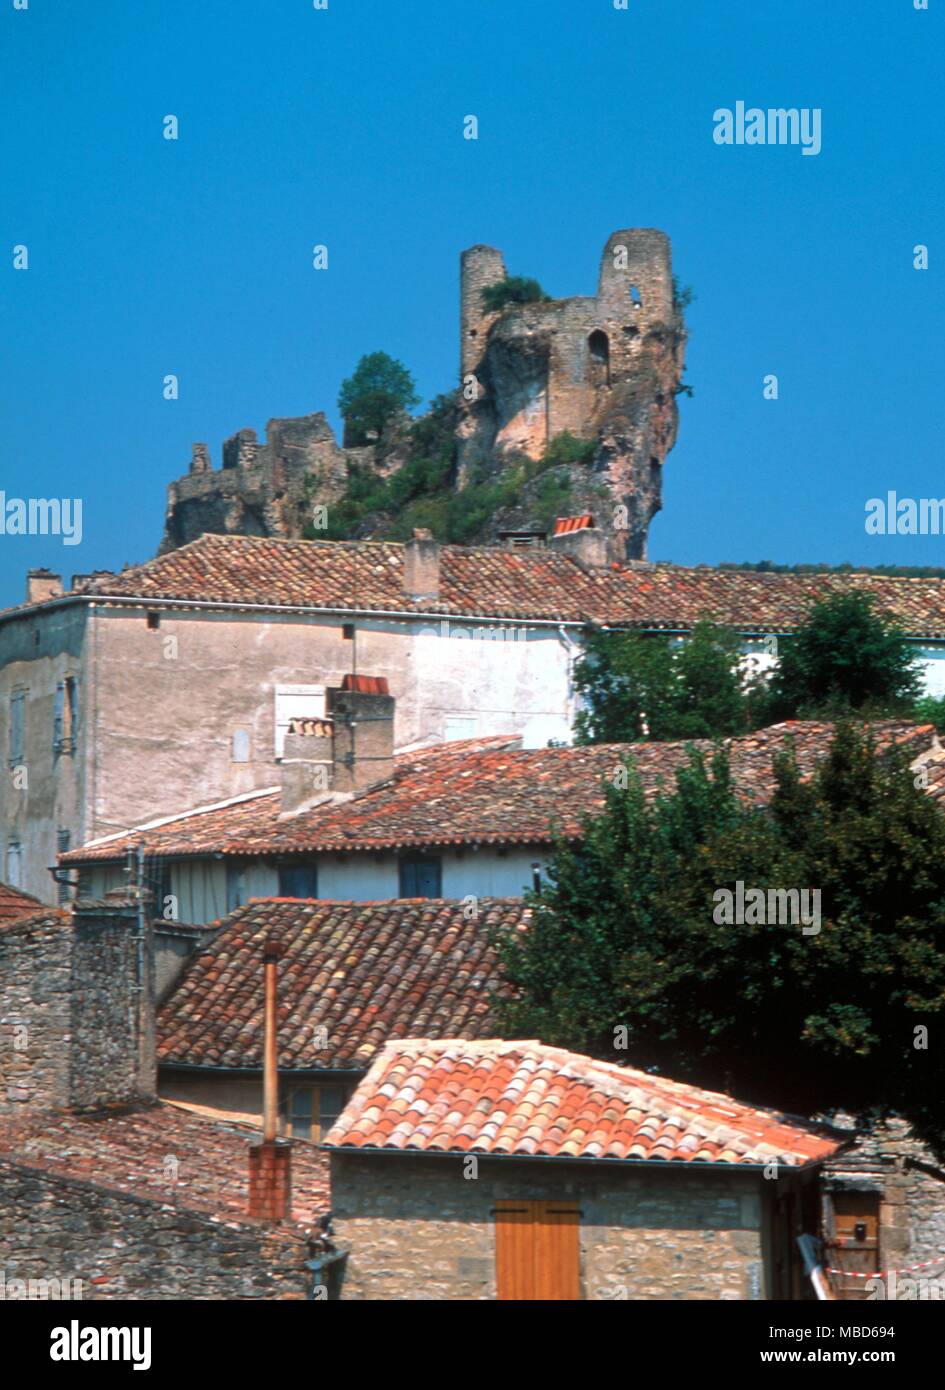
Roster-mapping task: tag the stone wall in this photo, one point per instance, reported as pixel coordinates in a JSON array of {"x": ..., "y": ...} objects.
[
  {"x": 263, "y": 489},
  {"x": 124, "y": 1247},
  {"x": 416, "y": 1228},
  {"x": 888, "y": 1159},
  {"x": 75, "y": 1029}
]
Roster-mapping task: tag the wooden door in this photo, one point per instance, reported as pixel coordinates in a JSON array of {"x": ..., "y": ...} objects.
[
  {"x": 537, "y": 1251},
  {"x": 852, "y": 1245}
]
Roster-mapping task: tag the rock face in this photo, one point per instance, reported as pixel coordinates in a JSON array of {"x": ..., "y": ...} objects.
[{"x": 605, "y": 369}]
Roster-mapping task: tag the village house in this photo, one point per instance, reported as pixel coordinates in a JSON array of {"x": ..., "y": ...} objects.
[
  {"x": 183, "y": 674},
  {"x": 351, "y": 977},
  {"x": 470, "y": 818},
  {"x": 511, "y": 1170},
  {"x": 106, "y": 1192}
]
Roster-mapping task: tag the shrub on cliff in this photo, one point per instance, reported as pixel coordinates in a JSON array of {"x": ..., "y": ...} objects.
[
  {"x": 514, "y": 289},
  {"x": 379, "y": 389}
]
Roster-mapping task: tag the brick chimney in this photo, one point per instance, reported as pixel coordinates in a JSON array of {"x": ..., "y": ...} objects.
[
  {"x": 578, "y": 537},
  {"x": 422, "y": 566},
  {"x": 306, "y": 766},
  {"x": 42, "y": 584},
  {"x": 362, "y": 713},
  {"x": 330, "y": 759}
]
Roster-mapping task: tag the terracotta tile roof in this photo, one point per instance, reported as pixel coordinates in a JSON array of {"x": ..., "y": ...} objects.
[
  {"x": 15, "y": 903},
  {"x": 128, "y": 1151},
  {"x": 523, "y": 1099},
  {"x": 563, "y": 524},
  {"x": 363, "y": 972},
  {"x": 486, "y": 792},
  {"x": 533, "y": 583}
]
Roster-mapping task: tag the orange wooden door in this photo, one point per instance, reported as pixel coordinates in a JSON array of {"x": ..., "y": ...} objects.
[
  {"x": 537, "y": 1251},
  {"x": 853, "y": 1245}
]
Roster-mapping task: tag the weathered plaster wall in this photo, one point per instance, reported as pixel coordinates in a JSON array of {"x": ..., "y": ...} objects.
[
  {"x": 418, "y": 1229},
  {"x": 35, "y": 654},
  {"x": 169, "y": 701}
]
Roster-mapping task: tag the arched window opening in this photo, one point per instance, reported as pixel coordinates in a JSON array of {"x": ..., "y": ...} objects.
[{"x": 598, "y": 358}]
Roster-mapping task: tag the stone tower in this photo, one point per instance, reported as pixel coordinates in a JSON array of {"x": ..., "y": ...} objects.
[{"x": 605, "y": 368}]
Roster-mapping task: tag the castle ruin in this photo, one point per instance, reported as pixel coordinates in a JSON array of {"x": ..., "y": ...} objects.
[{"x": 605, "y": 369}]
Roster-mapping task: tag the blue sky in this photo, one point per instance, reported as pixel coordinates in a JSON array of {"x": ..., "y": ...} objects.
[{"x": 344, "y": 127}]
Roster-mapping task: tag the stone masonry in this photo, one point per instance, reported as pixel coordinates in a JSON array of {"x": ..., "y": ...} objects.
[{"x": 418, "y": 1229}]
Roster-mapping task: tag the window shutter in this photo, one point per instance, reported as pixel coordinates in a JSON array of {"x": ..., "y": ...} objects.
[{"x": 537, "y": 1251}]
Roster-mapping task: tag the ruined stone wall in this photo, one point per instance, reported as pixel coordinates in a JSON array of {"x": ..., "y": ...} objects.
[
  {"x": 266, "y": 489},
  {"x": 125, "y": 1247},
  {"x": 417, "y": 1228},
  {"x": 605, "y": 369}
]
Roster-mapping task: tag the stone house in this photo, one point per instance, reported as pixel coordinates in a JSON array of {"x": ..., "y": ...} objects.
[
  {"x": 466, "y": 819},
  {"x": 511, "y": 1170},
  {"x": 105, "y": 1192},
  {"x": 352, "y": 976}
]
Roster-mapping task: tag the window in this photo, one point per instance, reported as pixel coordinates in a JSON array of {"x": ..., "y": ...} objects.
[
  {"x": 15, "y": 864},
  {"x": 64, "y": 716},
  {"x": 310, "y": 1111},
  {"x": 235, "y": 887},
  {"x": 298, "y": 881},
  {"x": 63, "y": 888},
  {"x": 154, "y": 622},
  {"x": 17, "y": 726},
  {"x": 347, "y": 632},
  {"x": 537, "y": 1251},
  {"x": 241, "y": 746},
  {"x": 420, "y": 878},
  {"x": 296, "y": 702}
]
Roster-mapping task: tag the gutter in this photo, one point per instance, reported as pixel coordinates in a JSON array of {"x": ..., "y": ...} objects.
[
  {"x": 206, "y": 1069},
  {"x": 688, "y": 1165}
]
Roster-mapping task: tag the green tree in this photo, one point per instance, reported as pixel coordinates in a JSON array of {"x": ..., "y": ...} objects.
[
  {"x": 635, "y": 687},
  {"x": 844, "y": 656},
  {"x": 514, "y": 289},
  {"x": 379, "y": 389},
  {"x": 629, "y": 935}
]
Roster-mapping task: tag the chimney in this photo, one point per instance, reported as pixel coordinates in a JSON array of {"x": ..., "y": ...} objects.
[
  {"x": 82, "y": 983},
  {"x": 578, "y": 537},
  {"x": 422, "y": 566},
  {"x": 306, "y": 763},
  {"x": 42, "y": 584},
  {"x": 270, "y": 1162},
  {"x": 352, "y": 749},
  {"x": 362, "y": 715}
]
